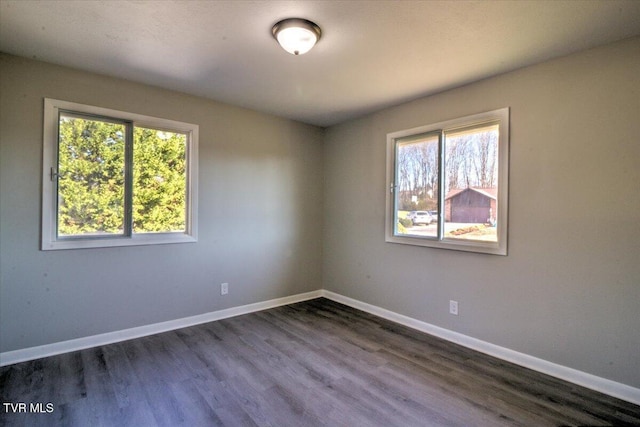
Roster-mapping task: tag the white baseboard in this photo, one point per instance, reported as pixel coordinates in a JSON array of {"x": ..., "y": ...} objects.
[
  {"x": 32, "y": 353},
  {"x": 602, "y": 385},
  {"x": 612, "y": 388}
]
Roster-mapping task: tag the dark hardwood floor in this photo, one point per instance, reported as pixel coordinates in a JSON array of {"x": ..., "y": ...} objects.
[{"x": 307, "y": 364}]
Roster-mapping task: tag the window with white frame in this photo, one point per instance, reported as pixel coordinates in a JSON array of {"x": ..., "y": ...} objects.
[
  {"x": 448, "y": 184},
  {"x": 112, "y": 178}
]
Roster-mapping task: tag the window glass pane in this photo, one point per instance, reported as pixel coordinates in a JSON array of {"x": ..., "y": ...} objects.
[
  {"x": 91, "y": 158},
  {"x": 416, "y": 192},
  {"x": 159, "y": 181},
  {"x": 471, "y": 184}
]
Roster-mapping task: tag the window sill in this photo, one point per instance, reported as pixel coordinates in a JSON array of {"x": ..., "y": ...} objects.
[
  {"x": 450, "y": 244},
  {"x": 109, "y": 242}
]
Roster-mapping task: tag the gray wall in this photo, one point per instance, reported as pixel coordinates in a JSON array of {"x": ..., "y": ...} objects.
[
  {"x": 260, "y": 216},
  {"x": 569, "y": 289}
]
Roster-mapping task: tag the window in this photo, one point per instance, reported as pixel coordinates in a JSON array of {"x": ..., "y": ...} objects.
[
  {"x": 448, "y": 184},
  {"x": 112, "y": 178}
]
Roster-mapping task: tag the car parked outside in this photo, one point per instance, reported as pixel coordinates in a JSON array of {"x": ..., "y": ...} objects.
[{"x": 420, "y": 217}]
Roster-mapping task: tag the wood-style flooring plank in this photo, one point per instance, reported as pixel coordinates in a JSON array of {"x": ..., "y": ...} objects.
[{"x": 316, "y": 363}]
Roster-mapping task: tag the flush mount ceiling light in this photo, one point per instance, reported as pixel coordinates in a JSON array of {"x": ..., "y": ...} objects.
[{"x": 297, "y": 36}]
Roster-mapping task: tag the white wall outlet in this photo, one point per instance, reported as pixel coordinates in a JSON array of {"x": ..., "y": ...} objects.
[
  {"x": 453, "y": 307},
  {"x": 224, "y": 288}
]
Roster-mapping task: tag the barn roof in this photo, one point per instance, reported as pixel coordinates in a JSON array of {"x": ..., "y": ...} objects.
[{"x": 491, "y": 193}]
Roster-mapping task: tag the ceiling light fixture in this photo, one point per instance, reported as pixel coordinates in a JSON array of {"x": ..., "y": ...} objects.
[{"x": 296, "y": 35}]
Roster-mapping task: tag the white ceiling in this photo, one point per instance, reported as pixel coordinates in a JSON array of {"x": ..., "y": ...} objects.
[{"x": 372, "y": 54}]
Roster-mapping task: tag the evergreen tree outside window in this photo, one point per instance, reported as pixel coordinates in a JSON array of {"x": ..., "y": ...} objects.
[
  {"x": 112, "y": 178},
  {"x": 159, "y": 181},
  {"x": 90, "y": 176}
]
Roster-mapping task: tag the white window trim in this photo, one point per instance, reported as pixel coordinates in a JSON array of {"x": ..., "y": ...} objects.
[
  {"x": 495, "y": 248},
  {"x": 49, "y": 187}
]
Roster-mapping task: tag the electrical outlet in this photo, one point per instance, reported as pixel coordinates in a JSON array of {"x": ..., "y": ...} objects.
[
  {"x": 453, "y": 307},
  {"x": 224, "y": 289}
]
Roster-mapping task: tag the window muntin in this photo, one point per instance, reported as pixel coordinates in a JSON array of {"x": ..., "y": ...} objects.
[
  {"x": 112, "y": 178},
  {"x": 457, "y": 172}
]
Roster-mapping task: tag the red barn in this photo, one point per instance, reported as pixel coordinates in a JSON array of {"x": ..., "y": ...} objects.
[{"x": 471, "y": 205}]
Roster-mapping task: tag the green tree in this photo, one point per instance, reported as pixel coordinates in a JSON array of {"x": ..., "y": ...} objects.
[
  {"x": 91, "y": 182},
  {"x": 159, "y": 181},
  {"x": 91, "y": 176}
]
